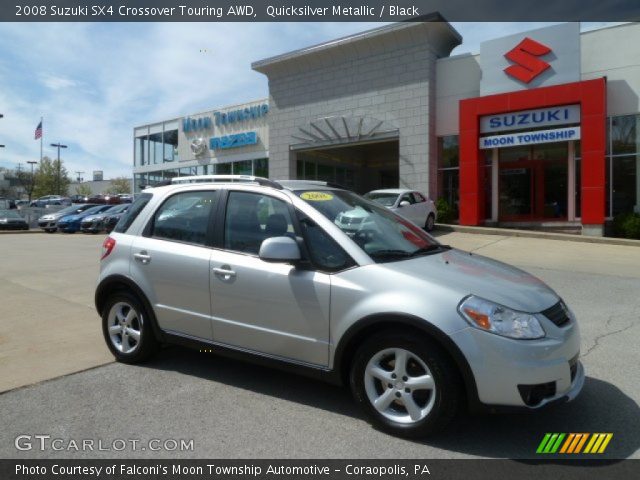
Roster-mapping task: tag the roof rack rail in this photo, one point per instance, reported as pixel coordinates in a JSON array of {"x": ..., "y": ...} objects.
[
  {"x": 311, "y": 182},
  {"x": 227, "y": 178}
]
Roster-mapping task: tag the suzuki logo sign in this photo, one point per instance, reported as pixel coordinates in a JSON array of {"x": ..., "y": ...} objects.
[
  {"x": 527, "y": 64},
  {"x": 538, "y": 58}
]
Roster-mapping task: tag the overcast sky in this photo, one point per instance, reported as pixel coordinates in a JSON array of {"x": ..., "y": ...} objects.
[{"x": 93, "y": 83}]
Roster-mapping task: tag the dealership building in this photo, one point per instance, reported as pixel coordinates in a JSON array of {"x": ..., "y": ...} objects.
[{"x": 540, "y": 129}]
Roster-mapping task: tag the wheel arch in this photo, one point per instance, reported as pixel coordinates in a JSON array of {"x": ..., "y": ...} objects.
[
  {"x": 116, "y": 283},
  {"x": 357, "y": 333}
]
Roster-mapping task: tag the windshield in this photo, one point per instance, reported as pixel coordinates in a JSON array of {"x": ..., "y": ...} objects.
[
  {"x": 383, "y": 235},
  {"x": 8, "y": 214},
  {"x": 386, "y": 199},
  {"x": 94, "y": 210}
]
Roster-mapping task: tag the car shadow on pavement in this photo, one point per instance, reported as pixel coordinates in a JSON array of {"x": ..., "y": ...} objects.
[{"x": 601, "y": 408}]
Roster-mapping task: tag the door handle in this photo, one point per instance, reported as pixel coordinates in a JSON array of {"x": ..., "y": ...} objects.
[
  {"x": 142, "y": 257},
  {"x": 224, "y": 271}
]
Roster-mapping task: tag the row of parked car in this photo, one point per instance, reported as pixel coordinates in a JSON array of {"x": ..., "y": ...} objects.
[
  {"x": 86, "y": 217},
  {"x": 102, "y": 199}
]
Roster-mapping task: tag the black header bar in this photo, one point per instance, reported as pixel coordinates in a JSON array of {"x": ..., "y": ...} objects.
[{"x": 316, "y": 10}]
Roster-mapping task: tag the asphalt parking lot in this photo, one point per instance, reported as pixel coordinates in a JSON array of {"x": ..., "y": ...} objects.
[{"x": 49, "y": 333}]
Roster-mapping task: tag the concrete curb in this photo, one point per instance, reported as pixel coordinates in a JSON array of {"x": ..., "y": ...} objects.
[
  {"x": 510, "y": 232},
  {"x": 20, "y": 232}
]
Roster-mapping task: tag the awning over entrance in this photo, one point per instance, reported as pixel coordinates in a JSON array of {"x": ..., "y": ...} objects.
[{"x": 338, "y": 130}]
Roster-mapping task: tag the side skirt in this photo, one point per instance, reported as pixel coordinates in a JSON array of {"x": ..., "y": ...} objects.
[{"x": 237, "y": 353}]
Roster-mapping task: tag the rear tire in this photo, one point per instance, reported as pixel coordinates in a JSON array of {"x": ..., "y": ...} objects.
[
  {"x": 127, "y": 329},
  {"x": 430, "y": 223},
  {"x": 405, "y": 384}
]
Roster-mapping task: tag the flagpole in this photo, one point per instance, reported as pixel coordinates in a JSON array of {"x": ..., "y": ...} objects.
[{"x": 41, "y": 138}]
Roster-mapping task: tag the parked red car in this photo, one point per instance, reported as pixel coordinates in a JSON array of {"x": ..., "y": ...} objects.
[{"x": 105, "y": 199}]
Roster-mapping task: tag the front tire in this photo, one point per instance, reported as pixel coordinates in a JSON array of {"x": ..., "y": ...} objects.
[
  {"x": 127, "y": 329},
  {"x": 405, "y": 384}
]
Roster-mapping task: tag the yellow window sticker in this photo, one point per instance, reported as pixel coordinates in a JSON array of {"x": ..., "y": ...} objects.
[{"x": 316, "y": 196}]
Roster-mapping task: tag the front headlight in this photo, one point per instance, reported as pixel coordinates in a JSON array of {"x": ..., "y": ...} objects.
[
  {"x": 498, "y": 319},
  {"x": 4, "y": 220}
]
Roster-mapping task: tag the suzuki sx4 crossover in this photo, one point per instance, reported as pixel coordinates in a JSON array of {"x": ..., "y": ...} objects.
[{"x": 265, "y": 270}]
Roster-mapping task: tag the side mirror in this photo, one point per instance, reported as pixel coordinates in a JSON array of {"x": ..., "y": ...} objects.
[
  {"x": 404, "y": 203},
  {"x": 279, "y": 250}
]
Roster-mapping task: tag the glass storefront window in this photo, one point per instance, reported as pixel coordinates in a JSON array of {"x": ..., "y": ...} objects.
[
  {"x": 142, "y": 150},
  {"x": 223, "y": 169},
  {"x": 170, "y": 146},
  {"x": 625, "y": 136},
  {"x": 448, "y": 151},
  {"x": 624, "y": 170},
  {"x": 242, "y": 168},
  {"x": 261, "y": 167}
]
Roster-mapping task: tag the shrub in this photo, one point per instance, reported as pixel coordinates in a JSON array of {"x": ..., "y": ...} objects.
[
  {"x": 627, "y": 225},
  {"x": 446, "y": 212}
]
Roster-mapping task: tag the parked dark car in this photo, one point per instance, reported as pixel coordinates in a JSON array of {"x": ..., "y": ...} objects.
[
  {"x": 11, "y": 220},
  {"x": 51, "y": 200},
  {"x": 125, "y": 197},
  {"x": 71, "y": 223},
  {"x": 49, "y": 222},
  {"x": 96, "y": 223},
  {"x": 79, "y": 199},
  {"x": 105, "y": 199},
  {"x": 113, "y": 217},
  {"x": 7, "y": 203}
]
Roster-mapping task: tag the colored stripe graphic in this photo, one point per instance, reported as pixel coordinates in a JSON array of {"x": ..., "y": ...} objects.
[{"x": 573, "y": 443}]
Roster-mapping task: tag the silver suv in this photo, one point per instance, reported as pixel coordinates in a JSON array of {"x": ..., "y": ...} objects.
[{"x": 264, "y": 270}]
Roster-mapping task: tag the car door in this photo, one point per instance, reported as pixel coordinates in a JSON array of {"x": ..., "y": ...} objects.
[
  {"x": 408, "y": 211},
  {"x": 421, "y": 209},
  {"x": 270, "y": 308},
  {"x": 171, "y": 262}
]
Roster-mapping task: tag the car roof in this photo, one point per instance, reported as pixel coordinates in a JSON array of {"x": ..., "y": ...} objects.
[{"x": 397, "y": 191}]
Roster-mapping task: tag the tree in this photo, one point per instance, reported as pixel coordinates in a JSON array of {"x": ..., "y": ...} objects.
[
  {"x": 84, "y": 190},
  {"x": 120, "y": 185},
  {"x": 51, "y": 178}
]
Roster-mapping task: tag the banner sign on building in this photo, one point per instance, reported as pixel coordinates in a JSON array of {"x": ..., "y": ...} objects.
[
  {"x": 539, "y": 117},
  {"x": 530, "y": 138}
]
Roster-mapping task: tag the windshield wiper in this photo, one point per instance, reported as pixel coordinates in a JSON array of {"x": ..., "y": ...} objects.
[
  {"x": 435, "y": 248},
  {"x": 390, "y": 253}
]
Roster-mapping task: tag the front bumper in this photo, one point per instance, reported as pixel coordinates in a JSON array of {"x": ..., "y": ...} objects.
[
  {"x": 68, "y": 227},
  {"x": 93, "y": 227},
  {"x": 524, "y": 373}
]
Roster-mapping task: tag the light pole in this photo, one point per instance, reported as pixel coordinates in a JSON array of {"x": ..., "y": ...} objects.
[
  {"x": 59, "y": 145},
  {"x": 32, "y": 163}
]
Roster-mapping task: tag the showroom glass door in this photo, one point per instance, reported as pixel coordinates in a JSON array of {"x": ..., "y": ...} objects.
[{"x": 533, "y": 183}]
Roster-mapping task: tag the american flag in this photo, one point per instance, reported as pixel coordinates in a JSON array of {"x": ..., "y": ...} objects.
[{"x": 38, "y": 132}]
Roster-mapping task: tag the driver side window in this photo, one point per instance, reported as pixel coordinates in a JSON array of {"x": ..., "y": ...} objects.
[{"x": 252, "y": 218}]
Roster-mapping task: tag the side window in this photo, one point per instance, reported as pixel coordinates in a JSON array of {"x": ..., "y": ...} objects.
[
  {"x": 418, "y": 197},
  {"x": 251, "y": 218},
  {"x": 325, "y": 253},
  {"x": 407, "y": 197},
  {"x": 184, "y": 217},
  {"x": 132, "y": 213}
]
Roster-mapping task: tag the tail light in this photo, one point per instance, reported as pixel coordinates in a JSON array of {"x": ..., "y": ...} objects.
[{"x": 107, "y": 247}]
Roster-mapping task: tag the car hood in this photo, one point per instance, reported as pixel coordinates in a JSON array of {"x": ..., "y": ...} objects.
[
  {"x": 473, "y": 274},
  {"x": 95, "y": 216}
]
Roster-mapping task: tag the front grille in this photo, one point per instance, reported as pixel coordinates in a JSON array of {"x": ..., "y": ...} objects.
[{"x": 558, "y": 314}]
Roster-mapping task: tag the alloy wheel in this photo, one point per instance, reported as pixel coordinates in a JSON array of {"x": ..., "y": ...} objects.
[
  {"x": 399, "y": 385},
  {"x": 125, "y": 327}
]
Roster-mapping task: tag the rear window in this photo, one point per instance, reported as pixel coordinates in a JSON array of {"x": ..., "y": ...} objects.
[{"x": 136, "y": 207}]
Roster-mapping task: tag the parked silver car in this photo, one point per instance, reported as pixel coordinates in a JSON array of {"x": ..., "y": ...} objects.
[
  {"x": 412, "y": 205},
  {"x": 261, "y": 270},
  {"x": 49, "y": 222}
]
